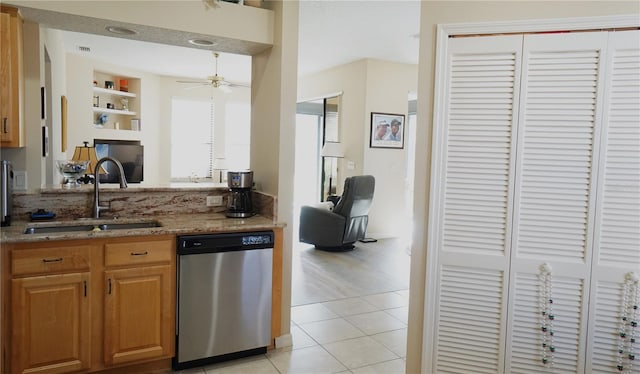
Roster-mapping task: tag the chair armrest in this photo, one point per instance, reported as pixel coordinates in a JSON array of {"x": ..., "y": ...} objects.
[
  {"x": 321, "y": 227},
  {"x": 326, "y": 205}
]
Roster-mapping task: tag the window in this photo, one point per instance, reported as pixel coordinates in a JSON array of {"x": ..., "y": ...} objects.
[
  {"x": 192, "y": 131},
  {"x": 237, "y": 139}
]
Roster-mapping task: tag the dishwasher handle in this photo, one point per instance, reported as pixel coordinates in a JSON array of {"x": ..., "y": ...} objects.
[{"x": 208, "y": 249}]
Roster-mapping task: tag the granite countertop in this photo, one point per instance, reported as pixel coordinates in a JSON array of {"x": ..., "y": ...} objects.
[{"x": 170, "y": 224}]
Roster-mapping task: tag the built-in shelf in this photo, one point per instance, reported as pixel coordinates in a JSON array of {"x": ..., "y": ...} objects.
[
  {"x": 117, "y": 107},
  {"x": 114, "y": 111},
  {"x": 113, "y": 92}
]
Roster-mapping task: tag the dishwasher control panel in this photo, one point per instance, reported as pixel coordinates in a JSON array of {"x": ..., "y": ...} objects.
[
  {"x": 224, "y": 242},
  {"x": 257, "y": 239}
]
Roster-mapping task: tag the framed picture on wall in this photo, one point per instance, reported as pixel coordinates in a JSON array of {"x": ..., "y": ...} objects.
[{"x": 387, "y": 130}]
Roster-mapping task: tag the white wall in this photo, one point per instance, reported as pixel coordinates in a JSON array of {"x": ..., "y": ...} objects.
[
  {"x": 370, "y": 86},
  {"x": 442, "y": 12},
  {"x": 388, "y": 87}
]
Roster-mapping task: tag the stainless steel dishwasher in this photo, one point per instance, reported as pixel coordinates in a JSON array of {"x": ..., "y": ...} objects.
[{"x": 223, "y": 298}]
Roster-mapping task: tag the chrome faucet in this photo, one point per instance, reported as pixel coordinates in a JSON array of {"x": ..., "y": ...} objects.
[{"x": 96, "y": 184}]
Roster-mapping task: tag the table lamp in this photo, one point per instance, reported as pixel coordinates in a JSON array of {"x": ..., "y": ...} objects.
[{"x": 86, "y": 153}]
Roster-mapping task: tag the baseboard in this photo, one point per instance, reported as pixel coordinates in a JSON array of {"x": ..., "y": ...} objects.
[
  {"x": 380, "y": 235},
  {"x": 284, "y": 341}
]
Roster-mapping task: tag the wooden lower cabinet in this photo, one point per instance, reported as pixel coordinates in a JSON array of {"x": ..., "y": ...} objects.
[
  {"x": 51, "y": 330},
  {"x": 90, "y": 305},
  {"x": 138, "y": 314}
]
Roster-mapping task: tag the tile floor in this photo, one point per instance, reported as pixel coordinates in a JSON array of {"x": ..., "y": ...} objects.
[{"x": 365, "y": 334}]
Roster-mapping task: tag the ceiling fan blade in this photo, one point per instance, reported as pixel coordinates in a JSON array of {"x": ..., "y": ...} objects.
[
  {"x": 195, "y": 82},
  {"x": 197, "y": 86},
  {"x": 232, "y": 84}
]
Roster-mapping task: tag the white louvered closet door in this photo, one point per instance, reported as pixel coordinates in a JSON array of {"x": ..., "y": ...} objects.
[
  {"x": 617, "y": 234},
  {"x": 558, "y": 128},
  {"x": 475, "y": 185}
]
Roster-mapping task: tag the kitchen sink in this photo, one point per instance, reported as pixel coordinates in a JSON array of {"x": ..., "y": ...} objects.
[
  {"x": 98, "y": 226},
  {"x": 129, "y": 226}
]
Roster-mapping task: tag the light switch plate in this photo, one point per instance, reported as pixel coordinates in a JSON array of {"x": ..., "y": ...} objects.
[
  {"x": 214, "y": 200},
  {"x": 20, "y": 180}
]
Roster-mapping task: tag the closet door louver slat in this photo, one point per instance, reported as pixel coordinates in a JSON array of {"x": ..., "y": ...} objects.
[
  {"x": 553, "y": 212},
  {"x": 617, "y": 234},
  {"x": 476, "y": 187}
]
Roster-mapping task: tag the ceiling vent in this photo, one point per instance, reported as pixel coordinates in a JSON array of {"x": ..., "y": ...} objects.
[{"x": 82, "y": 48}]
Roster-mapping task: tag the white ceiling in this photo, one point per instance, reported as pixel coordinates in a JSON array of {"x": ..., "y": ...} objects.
[{"x": 331, "y": 33}]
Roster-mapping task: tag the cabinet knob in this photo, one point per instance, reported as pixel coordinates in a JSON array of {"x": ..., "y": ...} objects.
[
  {"x": 139, "y": 253},
  {"x": 49, "y": 260},
  {"x": 4, "y": 125}
]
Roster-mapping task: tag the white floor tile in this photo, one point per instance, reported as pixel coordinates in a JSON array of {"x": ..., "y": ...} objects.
[
  {"x": 305, "y": 361},
  {"x": 388, "y": 367},
  {"x": 395, "y": 341},
  {"x": 301, "y": 339},
  {"x": 331, "y": 330},
  {"x": 386, "y": 300},
  {"x": 375, "y": 322},
  {"x": 254, "y": 365},
  {"x": 311, "y": 313},
  {"x": 351, "y": 306},
  {"x": 402, "y": 313},
  {"x": 359, "y": 352}
]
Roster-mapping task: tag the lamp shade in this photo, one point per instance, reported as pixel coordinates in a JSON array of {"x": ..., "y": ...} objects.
[
  {"x": 86, "y": 153},
  {"x": 332, "y": 149}
]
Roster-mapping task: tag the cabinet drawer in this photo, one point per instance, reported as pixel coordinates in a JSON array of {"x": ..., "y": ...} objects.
[
  {"x": 50, "y": 260},
  {"x": 133, "y": 253}
]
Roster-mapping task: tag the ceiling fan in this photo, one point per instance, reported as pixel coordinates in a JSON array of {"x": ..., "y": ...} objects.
[{"x": 215, "y": 81}]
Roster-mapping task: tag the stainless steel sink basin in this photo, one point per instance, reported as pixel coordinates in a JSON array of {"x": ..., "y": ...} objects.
[
  {"x": 56, "y": 229},
  {"x": 97, "y": 226},
  {"x": 128, "y": 226}
]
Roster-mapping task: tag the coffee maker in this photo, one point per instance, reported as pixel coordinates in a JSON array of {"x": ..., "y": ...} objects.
[{"x": 239, "y": 204}]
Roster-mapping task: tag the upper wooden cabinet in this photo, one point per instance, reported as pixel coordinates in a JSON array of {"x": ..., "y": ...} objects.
[{"x": 11, "y": 79}]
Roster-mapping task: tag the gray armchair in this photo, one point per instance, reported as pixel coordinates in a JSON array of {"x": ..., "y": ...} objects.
[{"x": 339, "y": 228}]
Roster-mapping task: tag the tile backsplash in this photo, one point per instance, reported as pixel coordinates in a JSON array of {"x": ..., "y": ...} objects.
[{"x": 77, "y": 203}]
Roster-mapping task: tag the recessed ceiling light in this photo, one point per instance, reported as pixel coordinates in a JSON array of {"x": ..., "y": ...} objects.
[
  {"x": 201, "y": 42},
  {"x": 121, "y": 30}
]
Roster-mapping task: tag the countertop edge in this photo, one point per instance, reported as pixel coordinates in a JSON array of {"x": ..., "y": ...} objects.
[{"x": 169, "y": 225}]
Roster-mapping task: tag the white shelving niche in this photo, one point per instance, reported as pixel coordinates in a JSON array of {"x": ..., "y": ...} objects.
[{"x": 124, "y": 105}]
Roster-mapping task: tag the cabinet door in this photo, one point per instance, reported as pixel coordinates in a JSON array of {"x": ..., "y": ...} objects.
[
  {"x": 51, "y": 329},
  {"x": 559, "y": 121},
  {"x": 471, "y": 192},
  {"x": 5, "y": 77},
  {"x": 11, "y": 134},
  {"x": 139, "y": 315},
  {"x": 617, "y": 229}
]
